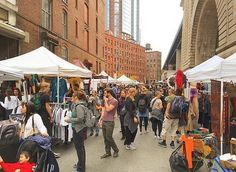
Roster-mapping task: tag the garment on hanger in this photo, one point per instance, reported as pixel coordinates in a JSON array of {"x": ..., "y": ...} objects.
[{"x": 62, "y": 89}]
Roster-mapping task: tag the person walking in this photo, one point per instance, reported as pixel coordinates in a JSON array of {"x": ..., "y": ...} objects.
[
  {"x": 170, "y": 124},
  {"x": 156, "y": 114},
  {"x": 121, "y": 111},
  {"x": 130, "y": 123},
  {"x": 79, "y": 128},
  {"x": 142, "y": 106},
  {"x": 107, "y": 120},
  {"x": 95, "y": 106}
]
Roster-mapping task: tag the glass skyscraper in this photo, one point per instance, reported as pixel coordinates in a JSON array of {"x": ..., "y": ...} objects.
[{"x": 122, "y": 17}]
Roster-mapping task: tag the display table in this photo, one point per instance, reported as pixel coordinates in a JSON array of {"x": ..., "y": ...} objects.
[{"x": 217, "y": 167}]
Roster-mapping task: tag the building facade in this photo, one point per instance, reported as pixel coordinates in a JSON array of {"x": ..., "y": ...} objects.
[
  {"x": 10, "y": 35},
  {"x": 209, "y": 28},
  {"x": 124, "y": 57},
  {"x": 153, "y": 66},
  {"x": 71, "y": 29},
  {"x": 122, "y": 19}
]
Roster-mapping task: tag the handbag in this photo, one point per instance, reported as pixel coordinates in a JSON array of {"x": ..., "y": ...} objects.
[{"x": 136, "y": 120}]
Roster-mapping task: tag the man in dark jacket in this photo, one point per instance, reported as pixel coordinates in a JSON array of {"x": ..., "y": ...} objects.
[{"x": 142, "y": 106}]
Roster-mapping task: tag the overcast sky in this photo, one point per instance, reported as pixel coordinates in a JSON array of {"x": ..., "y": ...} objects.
[{"x": 159, "y": 23}]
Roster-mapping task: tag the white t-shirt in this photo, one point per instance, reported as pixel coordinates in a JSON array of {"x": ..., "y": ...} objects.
[
  {"x": 38, "y": 125},
  {"x": 12, "y": 104}
]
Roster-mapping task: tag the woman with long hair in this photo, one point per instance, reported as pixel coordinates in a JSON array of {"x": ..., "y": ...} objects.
[
  {"x": 33, "y": 123},
  {"x": 130, "y": 123},
  {"x": 156, "y": 114},
  {"x": 79, "y": 128}
]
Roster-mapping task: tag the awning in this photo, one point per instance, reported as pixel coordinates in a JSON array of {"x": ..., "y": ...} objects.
[{"x": 10, "y": 31}]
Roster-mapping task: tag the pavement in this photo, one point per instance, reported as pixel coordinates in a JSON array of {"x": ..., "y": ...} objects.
[{"x": 148, "y": 157}]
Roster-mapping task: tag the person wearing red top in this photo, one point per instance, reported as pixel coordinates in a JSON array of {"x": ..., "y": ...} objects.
[{"x": 23, "y": 165}]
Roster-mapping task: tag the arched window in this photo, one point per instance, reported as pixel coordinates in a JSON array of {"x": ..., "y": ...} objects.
[
  {"x": 47, "y": 14},
  {"x": 64, "y": 24}
]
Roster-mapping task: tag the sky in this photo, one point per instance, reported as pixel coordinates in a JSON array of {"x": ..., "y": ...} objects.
[{"x": 159, "y": 23}]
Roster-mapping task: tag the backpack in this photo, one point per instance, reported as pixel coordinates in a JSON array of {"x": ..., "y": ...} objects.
[
  {"x": 176, "y": 107},
  {"x": 8, "y": 130},
  {"x": 142, "y": 105},
  {"x": 89, "y": 118}
]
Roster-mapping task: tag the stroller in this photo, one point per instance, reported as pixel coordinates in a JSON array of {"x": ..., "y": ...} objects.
[{"x": 41, "y": 155}]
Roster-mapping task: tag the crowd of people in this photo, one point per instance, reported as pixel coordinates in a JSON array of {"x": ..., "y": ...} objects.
[{"x": 136, "y": 107}]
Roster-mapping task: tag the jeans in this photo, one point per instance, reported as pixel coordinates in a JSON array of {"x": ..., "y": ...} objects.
[
  {"x": 145, "y": 119},
  {"x": 78, "y": 139},
  {"x": 107, "y": 130},
  {"x": 122, "y": 125}
]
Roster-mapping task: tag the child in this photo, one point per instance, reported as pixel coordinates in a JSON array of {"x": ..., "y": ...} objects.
[{"x": 23, "y": 165}]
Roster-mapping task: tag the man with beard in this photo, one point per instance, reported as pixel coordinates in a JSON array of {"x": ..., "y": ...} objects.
[{"x": 107, "y": 120}]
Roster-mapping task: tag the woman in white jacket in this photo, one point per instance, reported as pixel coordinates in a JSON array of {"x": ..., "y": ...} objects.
[
  {"x": 33, "y": 123},
  {"x": 10, "y": 103}
]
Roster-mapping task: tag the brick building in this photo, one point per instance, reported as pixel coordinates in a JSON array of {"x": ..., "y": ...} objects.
[
  {"x": 153, "y": 66},
  {"x": 70, "y": 29},
  {"x": 124, "y": 57},
  {"x": 10, "y": 35}
]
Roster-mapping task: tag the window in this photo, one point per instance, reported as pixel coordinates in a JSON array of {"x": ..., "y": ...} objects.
[
  {"x": 76, "y": 29},
  {"x": 96, "y": 66},
  {"x": 86, "y": 14},
  {"x": 97, "y": 24},
  {"x": 47, "y": 14},
  {"x": 96, "y": 46},
  {"x": 76, "y": 4},
  {"x": 100, "y": 67},
  {"x": 65, "y": 53},
  {"x": 97, "y": 5},
  {"x": 86, "y": 40},
  {"x": 49, "y": 45},
  {"x": 64, "y": 24}
]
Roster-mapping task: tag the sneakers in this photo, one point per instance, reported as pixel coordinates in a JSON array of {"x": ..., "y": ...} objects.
[
  {"x": 57, "y": 155},
  {"x": 172, "y": 144},
  {"x": 96, "y": 134},
  {"x": 163, "y": 144},
  {"x": 115, "y": 154},
  {"x": 91, "y": 134},
  {"x": 141, "y": 132},
  {"x": 158, "y": 137},
  {"x": 130, "y": 147},
  {"x": 105, "y": 155}
]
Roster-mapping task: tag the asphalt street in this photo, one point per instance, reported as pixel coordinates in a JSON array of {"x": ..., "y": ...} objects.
[{"x": 148, "y": 157}]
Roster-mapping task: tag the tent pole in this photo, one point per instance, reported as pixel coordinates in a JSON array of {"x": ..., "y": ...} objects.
[
  {"x": 58, "y": 93},
  {"x": 221, "y": 116}
]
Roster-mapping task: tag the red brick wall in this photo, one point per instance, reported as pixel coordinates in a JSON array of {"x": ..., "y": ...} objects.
[
  {"x": 131, "y": 58},
  {"x": 29, "y": 20}
]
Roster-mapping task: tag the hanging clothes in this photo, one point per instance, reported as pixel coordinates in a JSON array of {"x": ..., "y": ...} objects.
[{"x": 62, "y": 89}]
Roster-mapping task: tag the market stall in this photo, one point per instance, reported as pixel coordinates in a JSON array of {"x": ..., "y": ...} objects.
[{"x": 44, "y": 62}]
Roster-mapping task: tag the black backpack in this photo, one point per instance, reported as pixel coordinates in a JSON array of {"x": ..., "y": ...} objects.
[{"x": 142, "y": 105}]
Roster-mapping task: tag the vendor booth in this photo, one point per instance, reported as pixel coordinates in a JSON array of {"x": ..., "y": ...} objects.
[
  {"x": 222, "y": 75},
  {"x": 43, "y": 62}
]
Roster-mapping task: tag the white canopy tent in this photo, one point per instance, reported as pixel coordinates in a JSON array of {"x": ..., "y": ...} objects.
[
  {"x": 42, "y": 61},
  {"x": 10, "y": 74},
  {"x": 205, "y": 71},
  {"x": 125, "y": 80},
  {"x": 223, "y": 70}
]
